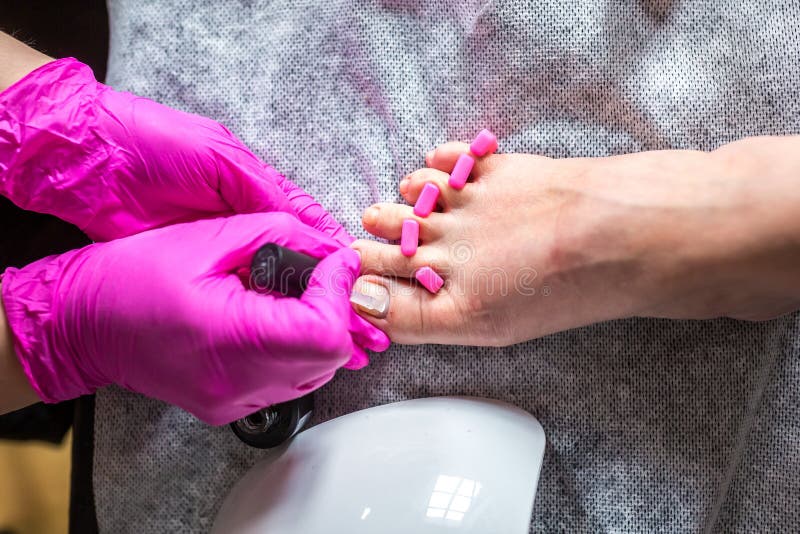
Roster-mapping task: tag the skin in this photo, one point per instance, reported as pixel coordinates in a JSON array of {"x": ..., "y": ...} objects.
[
  {"x": 17, "y": 60},
  {"x": 676, "y": 234},
  {"x": 534, "y": 245},
  {"x": 15, "y": 391}
]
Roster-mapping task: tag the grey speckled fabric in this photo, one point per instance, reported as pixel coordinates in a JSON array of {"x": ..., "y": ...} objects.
[{"x": 653, "y": 426}]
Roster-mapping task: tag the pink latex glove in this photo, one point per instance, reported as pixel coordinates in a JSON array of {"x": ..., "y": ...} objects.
[
  {"x": 165, "y": 313},
  {"x": 115, "y": 164}
]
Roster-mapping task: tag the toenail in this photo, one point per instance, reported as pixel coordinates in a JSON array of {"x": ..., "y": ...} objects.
[
  {"x": 428, "y": 278},
  {"x": 429, "y": 158},
  {"x": 427, "y": 200},
  {"x": 461, "y": 170},
  {"x": 409, "y": 238},
  {"x": 371, "y": 215},
  {"x": 371, "y": 298},
  {"x": 404, "y": 184},
  {"x": 485, "y": 143}
]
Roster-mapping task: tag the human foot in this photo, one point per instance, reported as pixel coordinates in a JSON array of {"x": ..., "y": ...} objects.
[
  {"x": 534, "y": 245},
  {"x": 496, "y": 243}
]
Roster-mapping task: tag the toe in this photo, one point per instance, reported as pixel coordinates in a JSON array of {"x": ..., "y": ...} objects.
[
  {"x": 415, "y": 315},
  {"x": 443, "y": 157},
  {"x": 388, "y": 260},
  {"x": 411, "y": 187},
  {"x": 385, "y": 220}
]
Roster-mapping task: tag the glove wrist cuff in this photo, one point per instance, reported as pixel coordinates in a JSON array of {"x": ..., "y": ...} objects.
[
  {"x": 44, "y": 134},
  {"x": 28, "y": 297}
]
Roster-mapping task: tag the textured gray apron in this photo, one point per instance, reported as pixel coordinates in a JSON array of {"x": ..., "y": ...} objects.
[{"x": 652, "y": 425}]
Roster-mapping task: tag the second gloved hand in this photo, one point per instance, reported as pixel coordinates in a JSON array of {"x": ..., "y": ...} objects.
[
  {"x": 115, "y": 164},
  {"x": 166, "y": 313}
]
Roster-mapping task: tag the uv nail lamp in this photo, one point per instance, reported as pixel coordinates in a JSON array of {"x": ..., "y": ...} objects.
[{"x": 436, "y": 465}]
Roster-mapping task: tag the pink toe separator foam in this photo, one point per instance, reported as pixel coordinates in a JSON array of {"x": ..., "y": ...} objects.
[
  {"x": 427, "y": 200},
  {"x": 485, "y": 143},
  {"x": 409, "y": 238},
  {"x": 428, "y": 278},
  {"x": 460, "y": 175}
]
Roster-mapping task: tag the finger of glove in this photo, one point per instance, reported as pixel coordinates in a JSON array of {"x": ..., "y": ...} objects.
[
  {"x": 311, "y": 334},
  {"x": 271, "y": 349},
  {"x": 358, "y": 360},
  {"x": 246, "y": 183},
  {"x": 287, "y": 231},
  {"x": 366, "y": 335},
  {"x": 316, "y": 324},
  {"x": 312, "y": 213},
  {"x": 240, "y": 236}
]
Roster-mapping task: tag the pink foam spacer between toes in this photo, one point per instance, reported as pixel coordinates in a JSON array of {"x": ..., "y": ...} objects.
[
  {"x": 427, "y": 200},
  {"x": 428, "y": 278},
  {"x": 485, "y": 143},
  {"x": 462, "y": 168},
  {"x": 409, "y": 238}
]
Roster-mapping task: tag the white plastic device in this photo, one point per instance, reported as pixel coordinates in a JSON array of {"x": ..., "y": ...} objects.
[{"x": 424, "y": 466}]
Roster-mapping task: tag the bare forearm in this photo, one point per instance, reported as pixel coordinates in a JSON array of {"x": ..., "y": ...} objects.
[
  {"x": 16, "y": 60},
  {"x": 15, "y": 390}
]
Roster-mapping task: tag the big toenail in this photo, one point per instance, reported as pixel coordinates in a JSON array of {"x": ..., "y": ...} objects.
[{"x": 371, "y": 298}]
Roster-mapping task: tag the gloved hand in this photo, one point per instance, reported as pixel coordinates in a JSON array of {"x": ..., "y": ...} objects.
[
  {"x": 115, "y": 164},
  {"x": 165, "y": 313}
]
